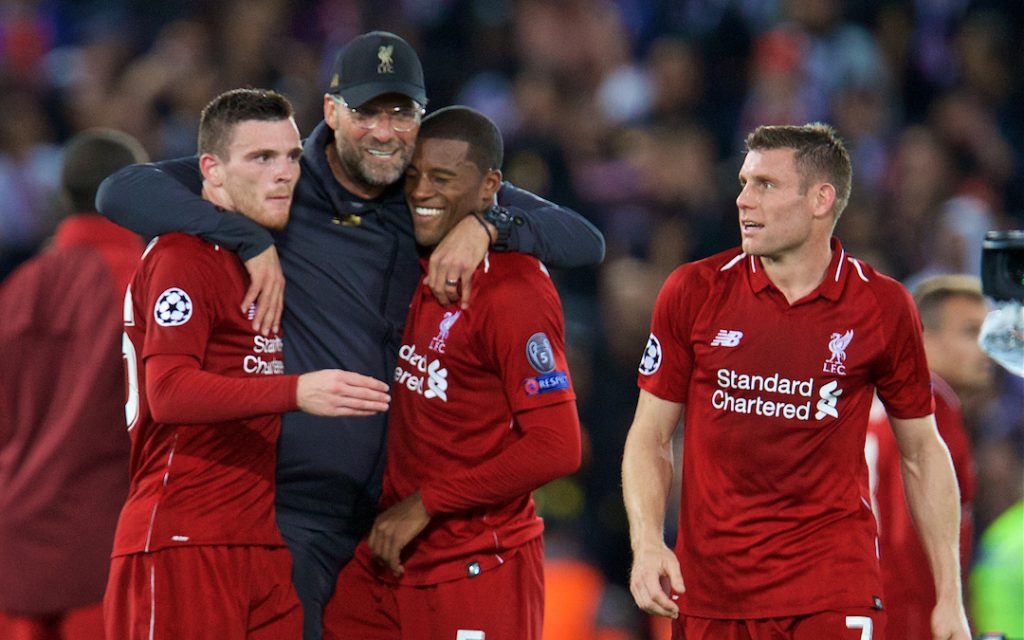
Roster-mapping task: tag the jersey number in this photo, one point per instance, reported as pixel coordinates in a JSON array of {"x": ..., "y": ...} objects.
[
  {"x": 131, "y": 365},
  {"x": 863, "y": 623}
]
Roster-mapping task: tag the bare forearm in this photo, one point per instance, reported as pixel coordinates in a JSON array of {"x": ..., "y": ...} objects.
[
  {"x": 934, "y": 500},
  {"x": 646, "y": 480}
]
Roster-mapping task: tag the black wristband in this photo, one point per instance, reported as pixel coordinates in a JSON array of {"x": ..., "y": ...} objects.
[
  {"x": 502, "y": 221},
  {"x": 480, "y": 218}
]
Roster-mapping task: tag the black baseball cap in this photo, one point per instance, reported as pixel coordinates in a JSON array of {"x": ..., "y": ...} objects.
[{"x": 376, "y": 63}]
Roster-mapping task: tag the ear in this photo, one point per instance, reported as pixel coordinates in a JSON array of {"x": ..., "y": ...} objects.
[
  {"x": 212, "y": 169},
  {"x": 330, "y": 111},
  {"x": 824, "y": 194},
  {"x": 490, "y": 186}
]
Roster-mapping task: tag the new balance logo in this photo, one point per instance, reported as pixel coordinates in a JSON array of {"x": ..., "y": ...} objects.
[{"x": 726, "y": 338}]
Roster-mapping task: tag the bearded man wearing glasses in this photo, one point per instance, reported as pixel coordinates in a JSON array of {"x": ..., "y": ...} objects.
[{"x": 352, "y": 264}]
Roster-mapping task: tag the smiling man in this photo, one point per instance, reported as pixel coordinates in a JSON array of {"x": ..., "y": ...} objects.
[
  {"x": 776, "y": 536},
  {"x": 484, "y": 413},
  {"x": 352, "y": 265},
  {"x": 197, "y": 553}
]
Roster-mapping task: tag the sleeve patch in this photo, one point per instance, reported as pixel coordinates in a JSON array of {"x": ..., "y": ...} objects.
[
  {"x": 540, "y": 354},
  {"x": 651, "y": 360},
  {"x": 173, "y": 308},
  {"x": 547, "y": 382}
]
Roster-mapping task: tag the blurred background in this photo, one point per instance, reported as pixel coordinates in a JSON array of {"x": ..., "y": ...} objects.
[{"x": 633, "y": 112}]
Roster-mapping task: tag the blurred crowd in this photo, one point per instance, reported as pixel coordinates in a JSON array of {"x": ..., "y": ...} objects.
[{"x": 633, "y": 112}]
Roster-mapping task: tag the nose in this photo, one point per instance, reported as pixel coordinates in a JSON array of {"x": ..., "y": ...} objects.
[
  {"x": 745, "y": 199},
  {"x": 383, "y": 131},
  {"x": 419, "y": 188},
  {"x": 287, "y": 169}
]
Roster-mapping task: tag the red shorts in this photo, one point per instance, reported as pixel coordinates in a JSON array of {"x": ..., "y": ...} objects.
[
  {"x": 852, "y": 624},
  {"x": 81, "y": 623},
  {"x": 214, "y": 592},
  {"x": 501, "y": 604}
]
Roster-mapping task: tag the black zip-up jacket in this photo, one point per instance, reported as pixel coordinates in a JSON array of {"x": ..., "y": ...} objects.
[{"x": 348, "y": 289}]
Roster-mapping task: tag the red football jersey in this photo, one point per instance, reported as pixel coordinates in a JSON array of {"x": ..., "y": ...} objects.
[
  {"x": 461, "y": 378},
  {"x": 775, "y": 517},
  {"x": 906, "y": 577},
  {"x": 205, "y": 482}
]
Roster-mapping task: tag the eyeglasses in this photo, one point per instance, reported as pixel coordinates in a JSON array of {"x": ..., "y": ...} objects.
[{"x": 402, "y": 119}]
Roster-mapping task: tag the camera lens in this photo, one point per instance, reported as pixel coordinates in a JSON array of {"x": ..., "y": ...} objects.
[
  {"x": 1002, "y": 265},
  {"x": 1015, "y": 267}
]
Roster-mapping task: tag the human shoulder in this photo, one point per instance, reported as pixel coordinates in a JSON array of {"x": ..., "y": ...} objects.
[
  {"x": 511, "y": 260},
  {"x": 28, "y": 290},
  {"x": 185, "y": 256},
  {"x": 890, "y": 313},
  {"x": 512, "y": 281},
  {"x": 889, "y": 294},
  {"x": 512, "y": 269},
  {"x": 173, "y": 245},
  {"x": 177, "y": 242},
  {"x": 700, "y": 276}
]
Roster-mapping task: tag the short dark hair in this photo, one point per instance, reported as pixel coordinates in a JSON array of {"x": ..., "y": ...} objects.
[
  {"x": 91, "y": 156},
  {"x": 486, "y": 148},
  {"x": 820, "y": 153},
  {"x": 232, "y": 107},
  {"x": 932, "y": 293}
]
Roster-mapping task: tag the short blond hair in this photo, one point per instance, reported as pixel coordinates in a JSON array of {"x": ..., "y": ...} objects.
[{"x": 932, "y": 293}]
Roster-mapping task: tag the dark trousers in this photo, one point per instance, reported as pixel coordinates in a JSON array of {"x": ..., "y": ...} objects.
[{"x": 317, "y": 559}]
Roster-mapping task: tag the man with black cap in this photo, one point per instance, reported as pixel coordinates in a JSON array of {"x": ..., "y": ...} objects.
[
  {"x": 351, "y": 261},
  {"x": 63, "y": 448}
]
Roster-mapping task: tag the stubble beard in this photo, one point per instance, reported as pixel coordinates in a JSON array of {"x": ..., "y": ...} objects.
[
  {"x": 364, "y": 172},
  {"x": 262, "y": 214}
]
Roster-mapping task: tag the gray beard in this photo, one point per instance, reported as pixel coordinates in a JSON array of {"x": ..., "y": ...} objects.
[{"x": 365, "y": 175}]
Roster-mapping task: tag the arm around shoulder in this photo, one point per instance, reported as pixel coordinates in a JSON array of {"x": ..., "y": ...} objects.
[
  {"x": 152, "y": 199},
  {"x": 557, "y": 235}
]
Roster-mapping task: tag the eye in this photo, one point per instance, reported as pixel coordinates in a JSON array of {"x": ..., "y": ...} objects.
[
  {"x": 367, "y": 112},
  {"x": 440, "y": 181}
]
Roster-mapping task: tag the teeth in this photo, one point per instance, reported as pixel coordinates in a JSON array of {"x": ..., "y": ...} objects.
[
  {"x": 380, "y": 154},
  {"x": 428, "y": 212}
]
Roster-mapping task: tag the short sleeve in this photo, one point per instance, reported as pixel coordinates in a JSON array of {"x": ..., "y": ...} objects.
[
  {"x": 902, "y": 379},
  {"x": 667, "y": 360},
  {"x": 180, "y": 306}
]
